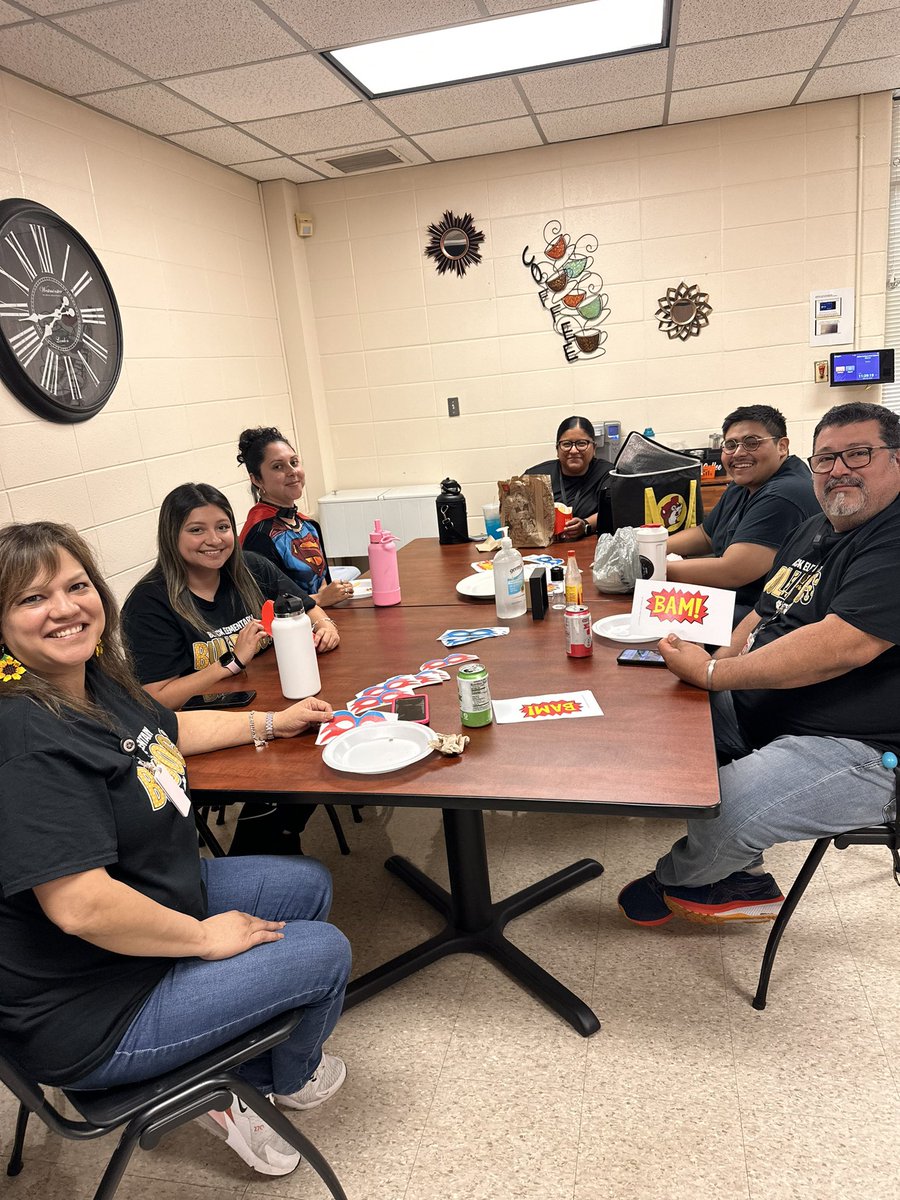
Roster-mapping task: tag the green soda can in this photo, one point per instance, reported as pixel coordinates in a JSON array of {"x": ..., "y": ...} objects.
[{"x": 474, "y": 695}]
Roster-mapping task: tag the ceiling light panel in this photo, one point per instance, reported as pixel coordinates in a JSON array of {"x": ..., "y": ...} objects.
[{"x": 505, "y": 45}]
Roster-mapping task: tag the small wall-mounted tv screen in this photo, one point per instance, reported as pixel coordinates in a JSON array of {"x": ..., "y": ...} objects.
[{"x": 855, "y": 367}]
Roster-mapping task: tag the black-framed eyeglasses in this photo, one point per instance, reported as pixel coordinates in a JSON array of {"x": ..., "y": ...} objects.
[
  {"x": 751, "y": 442},
  {"x": 853, "y": 459},
  {"x": 581, "y": 444}
]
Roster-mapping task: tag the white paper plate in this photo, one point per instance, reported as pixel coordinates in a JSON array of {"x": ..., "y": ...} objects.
[
  {"x": 480, "y": 584},
  {"x": 377, "y": 748},
  {"x": 618, "y": 629},
  {"x": 362, "y": 587}
]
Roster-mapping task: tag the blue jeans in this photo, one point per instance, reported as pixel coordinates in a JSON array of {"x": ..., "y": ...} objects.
[
  {"x": 792, "y": 790},
  {"x": 200, "y": 1005}
]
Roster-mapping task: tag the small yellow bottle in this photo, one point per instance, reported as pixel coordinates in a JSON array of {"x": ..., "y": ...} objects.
[{"x": 574, "y": 586}]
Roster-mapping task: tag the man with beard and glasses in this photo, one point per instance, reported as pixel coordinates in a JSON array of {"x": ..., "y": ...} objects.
[
  {"x": 771, "y": 493},
  {"x": 807, "y": 696}
]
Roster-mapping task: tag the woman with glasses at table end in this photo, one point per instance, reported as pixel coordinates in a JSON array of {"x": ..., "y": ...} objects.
[
  {"x": 769, "y": 495},
  {"x": 122, "y": 954},
  {"x": 576, "y": 477}
]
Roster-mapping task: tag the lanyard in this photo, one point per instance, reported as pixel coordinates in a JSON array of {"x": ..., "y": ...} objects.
[{"x": 173, "y": 790}]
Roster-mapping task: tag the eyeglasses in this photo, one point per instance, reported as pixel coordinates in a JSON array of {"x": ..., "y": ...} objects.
[
  {"x": 854, "y": 458},
  {"x": 581, "y": 444},
  {"x": 751, "y": 442}
]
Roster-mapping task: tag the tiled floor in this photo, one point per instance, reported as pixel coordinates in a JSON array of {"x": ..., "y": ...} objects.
[{"x": 462, "y": 1087}]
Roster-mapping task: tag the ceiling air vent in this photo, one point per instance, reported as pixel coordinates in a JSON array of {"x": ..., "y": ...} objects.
[{"x": 369, "y": 160}]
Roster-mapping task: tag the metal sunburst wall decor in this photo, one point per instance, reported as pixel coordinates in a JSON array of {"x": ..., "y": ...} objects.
[
  {"x": 683, "y": 311},
  {"x": 570, "y": 290},
  {"x": 453, "y": 244}
]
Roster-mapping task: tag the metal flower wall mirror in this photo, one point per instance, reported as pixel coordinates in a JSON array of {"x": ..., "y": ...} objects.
[
  {"x": 453, "y": 244},
  {"x": 570, "y": 290},
  {"x": 683, "y": 311}
]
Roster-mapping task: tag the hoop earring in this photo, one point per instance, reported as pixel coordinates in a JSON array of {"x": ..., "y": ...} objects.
[
  {"x": 11, "y": 670},
  {"x": 98, "y": 649}
]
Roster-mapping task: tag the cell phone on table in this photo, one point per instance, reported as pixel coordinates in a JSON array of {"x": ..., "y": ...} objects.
[
  {"x": 641, "y": 658},
  {"x": 219, "y": 700},
  {"x": 411, "y": 708}
]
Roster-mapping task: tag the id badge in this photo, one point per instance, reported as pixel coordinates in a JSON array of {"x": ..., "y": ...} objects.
[{"x": 173, "y": 790}]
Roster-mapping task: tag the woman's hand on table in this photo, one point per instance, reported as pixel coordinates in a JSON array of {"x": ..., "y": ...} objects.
[
  {"x": 334, "y": 593},
  {"x": 687, "y": 660},
  {"x": 230, "y": 933},
  {"x": 246, "y": 644},
  {"x": 324, "y": 631},
  {"x": 311, "y": 711}
]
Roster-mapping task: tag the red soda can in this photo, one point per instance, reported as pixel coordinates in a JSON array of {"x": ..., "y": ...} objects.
[{"x": 579, "y": 636}]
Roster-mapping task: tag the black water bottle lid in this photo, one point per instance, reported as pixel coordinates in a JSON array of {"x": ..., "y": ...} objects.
[
  {"x": 286, "y": 605},
  {"x": 449, "y": 487}
]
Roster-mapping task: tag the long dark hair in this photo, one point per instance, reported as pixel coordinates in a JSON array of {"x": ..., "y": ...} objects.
[
  {"x": 252, "y": 450},
  {"x": 170, "y": 566},
  {"x": 572, "y": 423},
  {"x": 31, "y": 552}
]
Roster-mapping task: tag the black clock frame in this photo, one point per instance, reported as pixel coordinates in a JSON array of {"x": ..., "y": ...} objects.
[{"x": 12, "y": 373}]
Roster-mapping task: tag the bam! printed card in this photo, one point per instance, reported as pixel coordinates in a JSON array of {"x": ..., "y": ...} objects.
[
  {"x": 558, "y": 706},
  {"x": 694, "y": 613}
]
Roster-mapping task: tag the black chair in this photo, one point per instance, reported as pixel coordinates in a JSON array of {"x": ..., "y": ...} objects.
[
  {"x": 872, "y": 835},
  {"x": 211, "y": 842},
  {"x": 150, "y": 1109}
]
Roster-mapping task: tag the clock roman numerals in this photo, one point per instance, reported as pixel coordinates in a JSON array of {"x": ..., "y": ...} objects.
[
  {"x": 99, "y": 350},
  {"x": 26, "y": 345},
  {"x": 50, "y": 373},
  {"x": 88, "y": 368},
  {"x": 39, "y": 233},
  {"x": 93, "y": 316},
  {"x": 81, "y": 284},
  {"x": 13, "y": 242},
  {"x": 72, "y": 378}
]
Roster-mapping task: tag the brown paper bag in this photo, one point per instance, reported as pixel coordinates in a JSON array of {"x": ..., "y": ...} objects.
[{"x": 526, "y": 507}]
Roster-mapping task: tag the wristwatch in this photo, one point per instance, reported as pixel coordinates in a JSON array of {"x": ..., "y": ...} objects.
[
  {"x": 230, "y": 661},
  {"x": 587, "y": 529}
]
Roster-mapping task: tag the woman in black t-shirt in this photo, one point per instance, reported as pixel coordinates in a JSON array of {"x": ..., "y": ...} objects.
[
  {"x": 122, "y": 954},
  {"x": 193, "y": 622},
  {"x": 576, "y": 475}
]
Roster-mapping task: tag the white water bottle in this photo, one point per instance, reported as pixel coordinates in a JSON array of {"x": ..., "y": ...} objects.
[
  {"x": 652, "y": 543},
  {"x": 509, "y": 581},
  {"x": 295, "y": 649}
]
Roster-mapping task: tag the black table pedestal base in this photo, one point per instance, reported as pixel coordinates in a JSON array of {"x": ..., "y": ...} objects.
[{"x": 474, "y": 923}]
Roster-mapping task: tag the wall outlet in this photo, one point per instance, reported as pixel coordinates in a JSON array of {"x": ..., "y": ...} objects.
[
  {"x": 821, "y": 371},
  {"x": 453, "y": 406}
]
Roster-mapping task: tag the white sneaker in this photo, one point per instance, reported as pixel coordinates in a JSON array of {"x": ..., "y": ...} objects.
[
  {"x": 250, "y": 1137},
  {"x": 326, "y": 1079}
]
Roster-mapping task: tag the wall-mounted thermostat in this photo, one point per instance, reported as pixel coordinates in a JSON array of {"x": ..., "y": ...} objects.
[
  {"x": 304, "y": 224},
  {"x": 831, "y": 316}
]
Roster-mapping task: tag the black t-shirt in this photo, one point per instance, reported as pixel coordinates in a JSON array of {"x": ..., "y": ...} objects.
[
  {"x": 165, "y": 646},
  {"x": 582, "y": 492},
  {"x": 853, "y": 575},
  {"x": 765, "y": 518},
  {"x": 72, "y": 800}
]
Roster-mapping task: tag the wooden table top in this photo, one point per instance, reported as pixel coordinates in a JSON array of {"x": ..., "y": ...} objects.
[
  {"x": 429, "y": 573},
  {"x": 652, "y": 752}
]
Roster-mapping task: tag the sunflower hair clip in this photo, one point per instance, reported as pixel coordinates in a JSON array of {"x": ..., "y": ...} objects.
[{"x": 11, "y": 670}]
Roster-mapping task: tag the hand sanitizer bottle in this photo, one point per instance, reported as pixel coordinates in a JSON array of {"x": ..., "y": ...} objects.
[{"x": 509, "y": 581}]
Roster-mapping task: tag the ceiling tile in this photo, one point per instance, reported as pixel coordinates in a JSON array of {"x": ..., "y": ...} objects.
[
  {"x": 499, "y": 7},
  {"x": 150, "y": 107},
  {"x": 9, "y": 15},
  {"x": 703, "y": 20},
  {"x": 865, "y": 37},
  {"x": 697, "y": 104},
  {"x": 471, "y": 140},
  {"x": 277, "y": 168},
  {"x": 223, "y": 144},
  {"x": 853, "y": 79},
  {"x": 288, "y": 85},
  {"x": 329, "y": 23},
  {"x": 619, "y": 78},
  {"x": 747, "y": 57},
  {"x": 449, "y": 107},
  {"x": 867, "y": 6},
  {"x": 176, "y": 37},
  {"x": 599, "y": 119},
  {"x": 328, "y": 127},
  {"x": 45, "y": 55},
  {"x": 411, "y": 155},
  {"x": 49, "y": 7}
]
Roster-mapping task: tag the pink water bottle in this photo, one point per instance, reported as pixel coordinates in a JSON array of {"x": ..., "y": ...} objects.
[{"x": 383, "y": 566}]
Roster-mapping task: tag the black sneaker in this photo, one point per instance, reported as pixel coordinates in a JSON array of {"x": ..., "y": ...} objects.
[
  {"x": 738, "y": 897},
  {"x": 643, "y": 903}
]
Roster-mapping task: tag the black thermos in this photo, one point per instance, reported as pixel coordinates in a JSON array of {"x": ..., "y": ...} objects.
[{"x": 453, "y": 526}]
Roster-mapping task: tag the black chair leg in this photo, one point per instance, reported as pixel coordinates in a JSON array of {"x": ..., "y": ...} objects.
[
  {"x": 338, "y": 828},
  {"x": 116, "y": 1166},
  {"x": 357, "y": 814},
  {"x": 790, "y": 903},
  {"x": 14, "y": 1166},
  {"x": 206, "y": 835}
]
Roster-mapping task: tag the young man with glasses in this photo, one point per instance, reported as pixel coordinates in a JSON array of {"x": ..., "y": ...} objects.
[
  {"x": 771, "y": 494},
  {"x": 807, "y": 696}
]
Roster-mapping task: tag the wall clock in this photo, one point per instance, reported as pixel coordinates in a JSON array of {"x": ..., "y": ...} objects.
[{"x": 60, "y": 330}]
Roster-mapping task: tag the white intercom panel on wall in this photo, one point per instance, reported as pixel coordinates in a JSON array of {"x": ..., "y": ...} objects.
[{"x": 831, "y": 316}]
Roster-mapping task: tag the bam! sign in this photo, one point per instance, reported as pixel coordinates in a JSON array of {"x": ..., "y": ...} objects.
[{"x": 697, "y": 614}]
